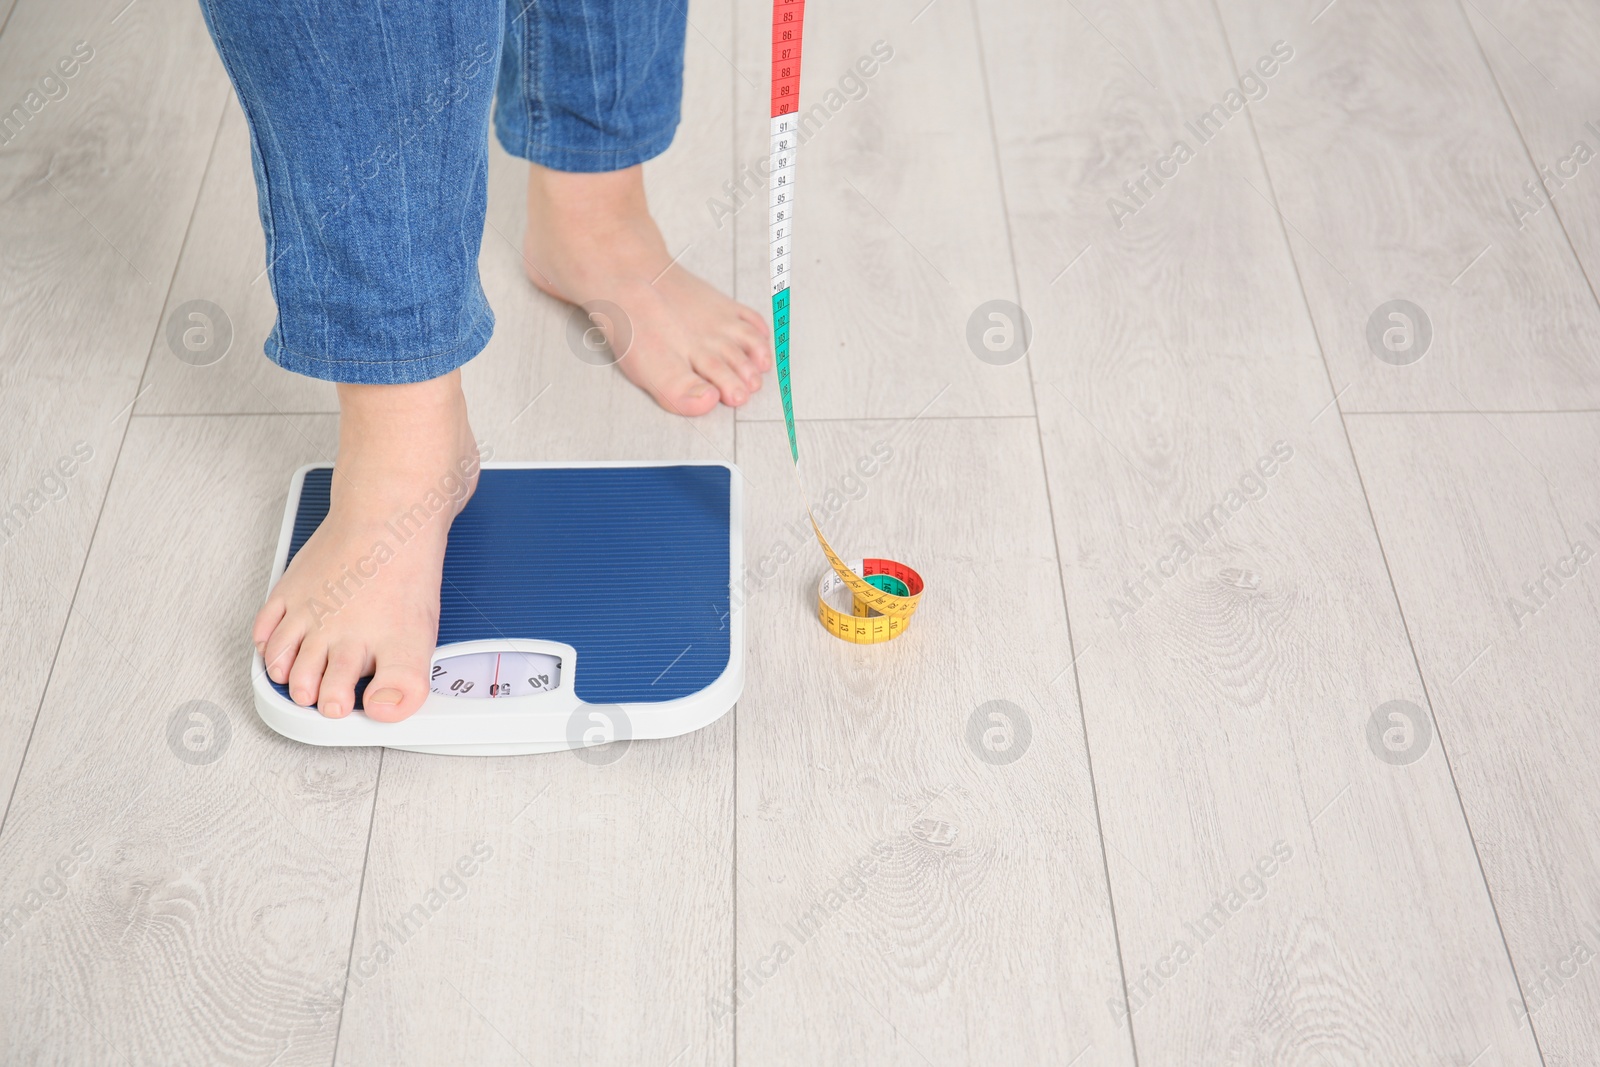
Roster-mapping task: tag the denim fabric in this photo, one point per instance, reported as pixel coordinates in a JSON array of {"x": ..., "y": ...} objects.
[
  {"x": 590, "y": 85},
  {"x": 369, "y": 126}
]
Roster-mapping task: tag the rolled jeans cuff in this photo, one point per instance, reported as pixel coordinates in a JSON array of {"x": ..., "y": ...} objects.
[
  {"x": 383, "y": 368},
  {"x": 518, "y": 142}
]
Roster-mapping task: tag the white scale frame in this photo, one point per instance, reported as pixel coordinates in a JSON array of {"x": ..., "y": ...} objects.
[{"x": 518, "y": 725}]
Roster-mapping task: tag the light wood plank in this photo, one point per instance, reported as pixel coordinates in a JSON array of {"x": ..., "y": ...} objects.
[
  {"x": 213, "y": 916},
  {"x": 1542, "y": 54},
  {"x": 602, "y": 924},
  {"x": 206, "y": 918},
  {"x": 597, "y": 930},
  {"x": 1392, "y": 156},
  {"x": 1477, "y": 518},
  {"x": 530, "y": 394},
  {"x": 97, "y": 188},
  {"x": 224, "y": 263},
  {"x": 901, "y": 234},
  {"x": 903, "y": 899},
  {"x": 1227, "y": 700}
]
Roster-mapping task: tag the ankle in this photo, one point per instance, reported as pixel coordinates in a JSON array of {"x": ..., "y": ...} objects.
[
  {"x": 381, "y": 405},
  {"x": 562, "y": 202},
  {"x": 612, "y": 190},
  {"x": 400, "y": 434}
]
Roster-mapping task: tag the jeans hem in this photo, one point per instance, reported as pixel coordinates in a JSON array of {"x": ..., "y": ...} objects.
[
  {"x": 354, "y": 370},
  {"x": 584, "y": 160}
]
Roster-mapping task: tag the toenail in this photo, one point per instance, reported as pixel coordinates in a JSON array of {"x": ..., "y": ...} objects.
[
  {"x": 386, "y": 696},
  {"x": 333, "y": 711},
  {"x": 699, "y": 390}
]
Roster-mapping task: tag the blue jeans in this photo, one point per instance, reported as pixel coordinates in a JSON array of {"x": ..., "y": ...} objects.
[{"x": 369, "y": 124}]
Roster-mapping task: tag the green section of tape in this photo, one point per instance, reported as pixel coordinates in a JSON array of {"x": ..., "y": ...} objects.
[
  {"x": 888, "y": 583},
  {"x": 780, "y": 338}
]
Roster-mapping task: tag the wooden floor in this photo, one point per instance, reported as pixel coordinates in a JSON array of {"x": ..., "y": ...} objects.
[{"x": 1250, "y": 718}]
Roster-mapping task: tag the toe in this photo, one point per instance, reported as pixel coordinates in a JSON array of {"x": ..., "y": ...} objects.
[
  {"x": 282, "y": 648},
  {"x": 753, "y": 317},
  {"x": 695, "y": 398},
  {"x": 399, "y": 686},
  {"x": 683, "y": 392},
  {"x": 720, "y": 367},
  {"x": 754, "y": 338},
  {"x": 305, "y": 677},
  {"x": 267, "y": 620},
  {"x": 740, "y": 348},
  {"x": 337, "y": 694}
]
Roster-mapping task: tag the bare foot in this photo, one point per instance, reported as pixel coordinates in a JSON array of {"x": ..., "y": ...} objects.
[
  {"x": 590, "y": 237},
  {"x": 362, "y": 595}
]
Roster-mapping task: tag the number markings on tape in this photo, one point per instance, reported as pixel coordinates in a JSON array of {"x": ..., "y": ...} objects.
[{"x": 868, "y": 600}]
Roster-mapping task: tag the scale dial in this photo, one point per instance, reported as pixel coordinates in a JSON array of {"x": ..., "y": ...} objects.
[{"x": 497, "y": 673}]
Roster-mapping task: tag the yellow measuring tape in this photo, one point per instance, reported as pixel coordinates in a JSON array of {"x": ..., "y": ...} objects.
[{"x": 882, "y": 593}]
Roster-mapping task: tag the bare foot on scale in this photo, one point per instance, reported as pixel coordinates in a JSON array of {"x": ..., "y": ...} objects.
[
  {"x": 361, "y": 597},
  {"x": 590, "y": 237}
]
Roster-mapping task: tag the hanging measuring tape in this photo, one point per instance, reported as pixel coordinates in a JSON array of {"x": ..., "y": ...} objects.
[{"x": 868, "y": 600}]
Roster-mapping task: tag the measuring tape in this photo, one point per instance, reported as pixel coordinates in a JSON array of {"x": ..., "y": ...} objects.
[{"x": 880, "y": 594}]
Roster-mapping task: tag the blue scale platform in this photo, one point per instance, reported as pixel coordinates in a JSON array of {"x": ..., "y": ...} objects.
[{"x": 628, "y": 565}]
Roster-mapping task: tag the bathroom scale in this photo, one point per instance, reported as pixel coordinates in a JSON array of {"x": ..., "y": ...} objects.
[{"x": 581, "y": 604}]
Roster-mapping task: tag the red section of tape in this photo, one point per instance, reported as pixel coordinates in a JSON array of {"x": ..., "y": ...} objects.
[
  {"x": 788, "y": 20},
  {"x": 912, "y": 579}
]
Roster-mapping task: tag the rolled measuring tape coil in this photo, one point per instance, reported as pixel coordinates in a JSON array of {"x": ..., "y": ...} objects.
[{"x": 868, "y": 600}]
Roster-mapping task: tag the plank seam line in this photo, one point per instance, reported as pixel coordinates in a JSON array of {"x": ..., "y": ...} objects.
[
  {"x": 1527, "y": 151},
  {"x": 355, "y": 921},
  {"x": 88, "y": 548},
  {"x": 1044, "y": 470},
  {"x": 183, "y": 248},
  {"x": 1383, "y": 553}
]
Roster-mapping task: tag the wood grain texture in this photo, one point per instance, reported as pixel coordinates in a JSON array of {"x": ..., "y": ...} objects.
[
  {"x": 1542, "y": 54},
  {"x": 1490, "y": 528},
  {"x": 841, "y": 871},
  {"x": 1226, "y": 684},
  {"x": 95, "y": 191},
  {"x": 597, "y": 929},
  {"x": 902, "y": 235},
  {"x": 206, "y": 916},
  {"x": 224, "y": 262},
  {"x": 602, "y": 924},
  {"x": 531, "y": 395},
  {"x": 1392, "y": 156},
  {"x": 906, "y": 895}
]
